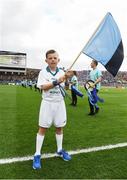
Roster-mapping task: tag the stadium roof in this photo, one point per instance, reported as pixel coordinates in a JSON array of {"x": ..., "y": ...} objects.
[{"x": 11, "y": 53}]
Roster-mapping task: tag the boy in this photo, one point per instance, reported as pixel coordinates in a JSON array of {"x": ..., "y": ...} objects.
[
  {"x": 52, "y": 109},
  {"x": 74, "y": 82},
  {"x": 96, "y": 76}
]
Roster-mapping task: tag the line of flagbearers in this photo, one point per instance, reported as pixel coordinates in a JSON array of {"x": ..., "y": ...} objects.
[{"x": 92, "y": 87}]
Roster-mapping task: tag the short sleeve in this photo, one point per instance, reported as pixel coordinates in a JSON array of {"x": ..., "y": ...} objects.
[
  {"x": 41, "y": 80},
  {"x": 74, "y": 79}
]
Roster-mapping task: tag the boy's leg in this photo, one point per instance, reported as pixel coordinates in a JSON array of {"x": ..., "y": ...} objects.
[
  {"x": 59, "y": 140},
  {"x": 96, "y": 106},
  {"x": 91, "y": 108},
  {"x": 39, "y": 140},
  {"x": 96, "y": 109},
  {"x": 39, "y": 143},
  {"x": 45, "y": 120},
  {"x": 59, "y": 122},
  {"x": 75, "y": 103},
  {"x": 73, "y": 98}
]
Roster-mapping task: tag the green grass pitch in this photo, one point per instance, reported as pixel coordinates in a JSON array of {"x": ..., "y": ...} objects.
[{"x": 19, "y": 108}]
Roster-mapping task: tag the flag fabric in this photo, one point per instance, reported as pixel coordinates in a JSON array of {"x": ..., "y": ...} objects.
[
  {"x": 106, "y": 45},
  {"x": 76, "y": 91},
  {"x": 92, "y": 92},
  {"x": 93, "y": 97}
]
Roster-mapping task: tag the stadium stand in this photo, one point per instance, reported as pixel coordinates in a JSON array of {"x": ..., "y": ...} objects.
[
  {"x": 108, "y": 79},
  {"x": 13, "y": 70},
  {"x": 32, "y": 74},
  {"x": 17, "y": 77}
]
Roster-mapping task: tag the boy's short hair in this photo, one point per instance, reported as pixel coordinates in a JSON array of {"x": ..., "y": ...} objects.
[
  {"x": 95, "y": 62},
  {"x": 75, "y": 73},
  {"x": 51, "y": 51}
]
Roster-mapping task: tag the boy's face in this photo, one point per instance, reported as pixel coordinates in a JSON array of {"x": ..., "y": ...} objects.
[
  {"x": 93, "y": 64},
  {"x": 52, "y": 60}
]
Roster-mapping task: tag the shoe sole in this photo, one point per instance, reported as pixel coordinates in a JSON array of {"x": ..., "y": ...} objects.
[
  {"x": 66, "y": 159},
  {"x": 63, "y": 158},
  {"x": 96, "y": 112},
  {"x": 36, "y": 168}
]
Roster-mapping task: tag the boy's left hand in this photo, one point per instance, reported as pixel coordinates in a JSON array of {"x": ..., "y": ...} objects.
[
  {"x": 61, "y": 79},
  {"x": 68, "y": 74},
  {"x": 92, "y": 85}
]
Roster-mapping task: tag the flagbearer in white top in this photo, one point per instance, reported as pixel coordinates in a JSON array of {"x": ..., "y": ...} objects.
[{"x": 52, "y": 109}]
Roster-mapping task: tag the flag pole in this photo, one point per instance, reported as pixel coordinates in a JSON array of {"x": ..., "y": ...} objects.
[
  {"x": 75, "y": 60},
  {"x": 86, "y": 43}
]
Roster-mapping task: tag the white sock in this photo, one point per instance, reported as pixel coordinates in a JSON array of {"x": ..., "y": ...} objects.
[
  {"x": 59, "y": 141},
  {"x": 39, "y": 142}
]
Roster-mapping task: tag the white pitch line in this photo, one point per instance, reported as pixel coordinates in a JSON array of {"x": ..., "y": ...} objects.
[{"x": 51, "y": 155}]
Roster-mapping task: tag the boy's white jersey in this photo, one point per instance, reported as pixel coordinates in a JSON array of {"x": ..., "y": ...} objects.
[{"x": 46, "y": 76}]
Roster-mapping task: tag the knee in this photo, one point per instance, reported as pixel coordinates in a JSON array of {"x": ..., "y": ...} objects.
[
  {"x": 59, "y": 130},
  {"x": 42, "y": 131}
]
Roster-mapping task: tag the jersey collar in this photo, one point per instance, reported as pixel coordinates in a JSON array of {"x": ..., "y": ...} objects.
[{"x": 48, "y": 70}]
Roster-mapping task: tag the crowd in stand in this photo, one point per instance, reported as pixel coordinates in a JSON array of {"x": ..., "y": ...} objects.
[
  {"x": 14, "y": 77},
  {"x": 108, "y": 79},
  {"x": 32, "y": 74}
]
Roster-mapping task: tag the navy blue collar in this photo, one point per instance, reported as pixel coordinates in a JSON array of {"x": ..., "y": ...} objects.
[{"x": 49, "y": 70}]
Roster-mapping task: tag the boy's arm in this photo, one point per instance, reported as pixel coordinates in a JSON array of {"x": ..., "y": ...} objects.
[
  {"x": 74, "y": 82},
  {"x": 98, "y": 80},
  {"x": 62, "y": 79},
  {"x": 50, "y": 85},
  {"x": 44, "y": 85}
]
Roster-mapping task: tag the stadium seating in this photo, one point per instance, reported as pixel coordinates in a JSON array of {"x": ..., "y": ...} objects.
[{"x": 83, "y": 76}]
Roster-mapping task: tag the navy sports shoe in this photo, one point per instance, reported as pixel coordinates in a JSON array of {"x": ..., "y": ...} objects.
[
  {"x": 37, "y": 162},
  {"x": 64, "y": 155},
  {"x": 97, "y": 110},
  {"x": 91, "y": 114}
]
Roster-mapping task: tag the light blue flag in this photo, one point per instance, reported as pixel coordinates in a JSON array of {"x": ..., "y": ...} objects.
[{"x": 106, "y": 46}]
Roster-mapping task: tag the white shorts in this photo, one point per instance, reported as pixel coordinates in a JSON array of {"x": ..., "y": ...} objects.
[{"x": 52, "y": 113}]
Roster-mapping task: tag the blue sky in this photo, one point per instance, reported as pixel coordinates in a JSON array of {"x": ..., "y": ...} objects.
[{"x": 34, "y": 26}]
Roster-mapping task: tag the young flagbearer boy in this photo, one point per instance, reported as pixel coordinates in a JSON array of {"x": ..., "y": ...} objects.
[
  {"x": 96, "y": 76},
  {"x": 52, "y": 109}
]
